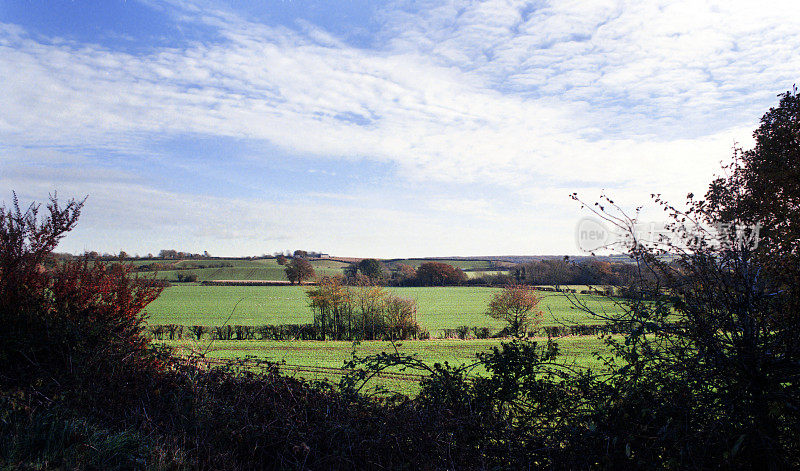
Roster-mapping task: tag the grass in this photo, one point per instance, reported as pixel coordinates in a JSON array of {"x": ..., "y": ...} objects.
[
  {"x": 268, "y": 269},
  {"x": 439, "y": 307},
  {"x": 235, "y": 269},
  {"x": 334, "y": 353},
  {"x": 576, "y": 351}
]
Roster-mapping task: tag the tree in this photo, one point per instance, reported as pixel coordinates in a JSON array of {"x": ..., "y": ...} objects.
[
  {"x": 79, "y": 322},
  {"x": 281, "y": 259},
  {"x": 299, "y": 270},
  {"x": 371, "y": 268},
  {"x": 403, "y": 274},
  {"x": 516, "y": 305},
  {"x": 439, "y": 274},
  {"x": 333, "y": 311},
  {"x": 713, "y": 349},
  {"x": 763, "y": 185},
  {"x": 168, "y": 253},
  {"x": 401, "y": 317}
]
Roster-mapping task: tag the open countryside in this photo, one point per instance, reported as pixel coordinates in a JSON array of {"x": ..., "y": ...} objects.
[{"x": 435, "y": 235}]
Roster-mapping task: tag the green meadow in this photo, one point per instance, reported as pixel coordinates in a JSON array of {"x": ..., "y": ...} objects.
[
  {"x": 238, "y": 269},
  {"x": 438, "y": 307},
  {"x": 576, "y": 352}
]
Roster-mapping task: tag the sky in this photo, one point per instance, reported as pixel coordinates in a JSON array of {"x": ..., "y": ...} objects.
[{"x": 375, "y": 129}]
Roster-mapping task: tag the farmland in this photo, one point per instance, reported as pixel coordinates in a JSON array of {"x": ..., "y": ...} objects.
[
  {"x": 302, "y": 358},
  {"x": 333, "y": 353},
  {"x": 237, "y": 269},
  {"x": 439, "y": 307},
  {"x": 269, "y": 269}
]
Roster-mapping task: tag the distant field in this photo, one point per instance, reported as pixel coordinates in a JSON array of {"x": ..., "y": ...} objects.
[
  {"x": 462, "y": 264},
  {"x": 439, "y": 307},
  {"x": 232, "y": 269},
  {"x": 268, "y": 269},
  {"x": 480, "y": 273}
]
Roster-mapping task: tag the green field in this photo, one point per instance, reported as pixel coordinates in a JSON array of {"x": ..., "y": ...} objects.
[
  {"x": 439, "y": 307},
  {"x": 268, "y": 268},
  {"x": 236, "y": 269},
  {"x": 576, "y": 352},
  {"x": 334, "y": 353}
]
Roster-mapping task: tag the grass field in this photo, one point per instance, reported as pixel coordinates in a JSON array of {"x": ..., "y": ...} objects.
[
  {"x": 439, "y": 307},
  {"x": 235, "y": 269},
  {"x": 333, "y": 353},
  {"x": 268, "y": 269},
  {"x": 576, "y": 351}
]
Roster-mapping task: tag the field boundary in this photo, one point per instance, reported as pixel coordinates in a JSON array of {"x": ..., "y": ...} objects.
[{"x": 292, "y": 368}]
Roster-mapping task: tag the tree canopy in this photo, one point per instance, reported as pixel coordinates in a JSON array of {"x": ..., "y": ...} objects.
[
  {"x": 299, "y": 270},
  {"x": 516, "y": 305}
]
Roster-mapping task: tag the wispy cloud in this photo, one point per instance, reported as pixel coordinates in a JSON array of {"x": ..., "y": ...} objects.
[{"x": 639, "y": 96}]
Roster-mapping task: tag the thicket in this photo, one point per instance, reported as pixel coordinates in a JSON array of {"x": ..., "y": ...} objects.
[{"x": 363, "y": 312}]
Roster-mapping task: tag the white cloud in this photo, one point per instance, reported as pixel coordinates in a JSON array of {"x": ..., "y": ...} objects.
[{"x": 639, "y": 96}]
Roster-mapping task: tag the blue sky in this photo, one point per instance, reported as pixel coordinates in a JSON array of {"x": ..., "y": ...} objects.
[{"x": 366, "y": 128}]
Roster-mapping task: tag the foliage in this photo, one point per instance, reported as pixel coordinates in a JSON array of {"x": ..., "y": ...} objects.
[
  {"x": 713, "y": 353},
  {"x": 515, "y": 305},
  {"x": 299, "y": 270},
  {"x": 439, "y": 274},
  {"x": 569, "y": 272},
  {"x": 762, "y": 186},
  {"x": 403, "y": 274},
  {"x": 364, "y": 312},
  {"x": 371, "y": 268}
]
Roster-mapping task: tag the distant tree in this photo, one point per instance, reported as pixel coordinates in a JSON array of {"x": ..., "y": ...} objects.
[
  {"x": 300, "y": 254},
  {"x": 403, "y": 274},
  {"x": 187, "y": 277},
  {"x": 439, "y": 274},
  {"x": 351, "y": 271},
  {"x": 333, "y": 311},
  {"x": 299, "y": 270},
  {"x": 401, "y": 317},
  {"x": 369, "y": 300},
  {"x": 281, "y": 259},
  {"x": 516, "y": 304},
  {"x": 198, "y": 331},
  {"x": 122, "y": 255},
  {"x": 371, "y": 268},
  {"x": 168, "y": 253}
]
